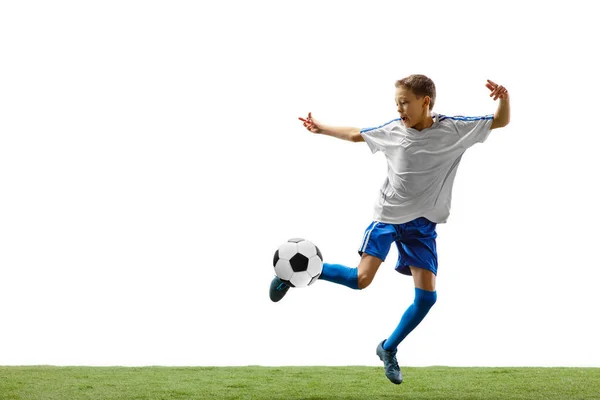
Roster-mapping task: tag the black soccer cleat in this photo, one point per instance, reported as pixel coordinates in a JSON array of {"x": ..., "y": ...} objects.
[
  {"x": 390, "y": 364},
  {"x": 278, "y": 289}
]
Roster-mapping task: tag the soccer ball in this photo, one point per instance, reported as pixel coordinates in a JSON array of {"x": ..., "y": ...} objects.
[{"x": 298, "y": 262}]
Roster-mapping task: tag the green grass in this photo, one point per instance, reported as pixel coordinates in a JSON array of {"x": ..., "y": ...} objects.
[{"x": 314, "y": 383}]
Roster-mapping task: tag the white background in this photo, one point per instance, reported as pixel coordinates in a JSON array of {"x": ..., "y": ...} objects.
[{"x": 151, "y": 161}]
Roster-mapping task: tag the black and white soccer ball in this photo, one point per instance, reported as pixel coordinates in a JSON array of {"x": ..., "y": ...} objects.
[{"x": 298, "y": 262}]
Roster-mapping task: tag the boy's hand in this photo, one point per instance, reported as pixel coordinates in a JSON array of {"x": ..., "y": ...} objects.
[
  {"x": 311, "y": 124},
  {"x": 498, "y": 91}
]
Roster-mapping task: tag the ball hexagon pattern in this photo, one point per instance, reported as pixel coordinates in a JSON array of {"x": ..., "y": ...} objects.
[{"x": 298, "y": 262}]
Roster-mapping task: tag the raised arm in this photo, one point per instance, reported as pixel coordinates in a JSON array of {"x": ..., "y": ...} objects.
[
  {"x": 340, "y": 132},
  {"x": 502, "y": 115}
]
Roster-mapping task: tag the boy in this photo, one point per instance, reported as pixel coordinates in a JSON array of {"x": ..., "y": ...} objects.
[{"x": 423, "y": 150}]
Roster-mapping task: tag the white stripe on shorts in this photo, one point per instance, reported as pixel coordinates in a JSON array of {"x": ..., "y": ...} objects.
[{"x": 366, "y": 238}]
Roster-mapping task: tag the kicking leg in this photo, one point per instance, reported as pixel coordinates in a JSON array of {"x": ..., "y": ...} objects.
[
  {"x": 354, "y": 278},
  {"x": 377, "y": 240},
  {"x": 375, "y": 246}
]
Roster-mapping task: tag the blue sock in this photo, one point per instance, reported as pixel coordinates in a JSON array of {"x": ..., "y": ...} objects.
[
  {"x": 340, "y": 274},
  {"x": 413, "y": 315}
]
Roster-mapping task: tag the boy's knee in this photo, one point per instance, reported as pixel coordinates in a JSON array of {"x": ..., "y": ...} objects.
[
  {"x": 425, "y": 299},
  {"x": 367, "y": 269},
  {"x": 364, "y": 280}
]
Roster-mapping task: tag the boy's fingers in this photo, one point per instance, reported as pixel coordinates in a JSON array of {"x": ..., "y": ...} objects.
[{"x": 498, "y": 91}]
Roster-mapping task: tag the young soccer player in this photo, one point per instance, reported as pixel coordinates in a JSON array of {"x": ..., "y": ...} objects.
[{"x": 423, "y": 150}]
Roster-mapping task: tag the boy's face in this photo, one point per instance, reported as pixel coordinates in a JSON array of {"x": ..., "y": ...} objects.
[{"x": 412, "y": 109}]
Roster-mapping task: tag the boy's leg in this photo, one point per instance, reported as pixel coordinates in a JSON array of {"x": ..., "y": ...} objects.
[
  {"x": 424, "y": 279},
  {"x": 425, "y": 298},
  {"x": 416, "y": 246},
  {"x": 354, "y": 278},
  {"x": 376, "y": 243}
]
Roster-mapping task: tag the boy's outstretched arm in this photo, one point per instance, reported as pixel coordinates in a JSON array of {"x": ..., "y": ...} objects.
[
  {"x": 345, "y": 133},
  {"x": 502, "y": 115}
]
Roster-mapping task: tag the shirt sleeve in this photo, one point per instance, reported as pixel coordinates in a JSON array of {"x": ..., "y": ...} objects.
[
  {"x": 473, "y": 129},
  {"x": 378, "y": 138}
]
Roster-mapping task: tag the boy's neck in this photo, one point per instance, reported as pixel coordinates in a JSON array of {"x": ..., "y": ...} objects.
[{"x": 426, "y": 123}]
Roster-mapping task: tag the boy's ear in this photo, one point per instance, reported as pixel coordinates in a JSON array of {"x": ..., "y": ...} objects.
[{"x": 426, "y": 101}]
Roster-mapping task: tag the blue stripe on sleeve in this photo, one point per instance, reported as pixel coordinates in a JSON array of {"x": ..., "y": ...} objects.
[
  {"x": 463, "y": 118},
  {"x": 370, "y": 129}
]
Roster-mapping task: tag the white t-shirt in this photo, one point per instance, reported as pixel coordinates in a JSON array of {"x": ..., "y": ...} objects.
[{"x": 422, "y": 165}]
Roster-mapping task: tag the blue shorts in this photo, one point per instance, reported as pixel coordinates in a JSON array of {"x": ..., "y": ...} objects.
[{"x": 415, "y": 241}]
